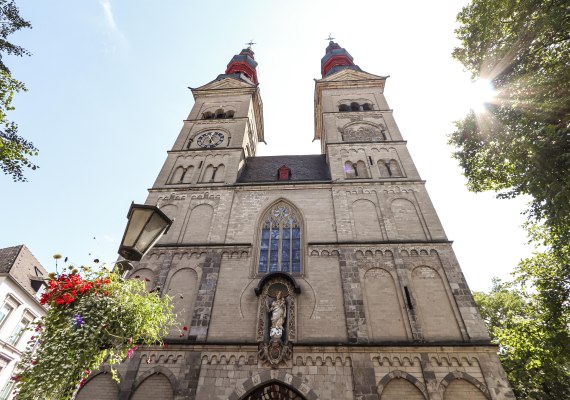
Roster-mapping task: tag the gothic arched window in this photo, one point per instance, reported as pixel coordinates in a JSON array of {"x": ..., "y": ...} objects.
[{"x": 280, "y": 241}]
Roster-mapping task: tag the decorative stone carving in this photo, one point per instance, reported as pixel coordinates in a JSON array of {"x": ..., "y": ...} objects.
[
  {"x": 276, "y": 322},
  {"x": 363, "y": 132}
]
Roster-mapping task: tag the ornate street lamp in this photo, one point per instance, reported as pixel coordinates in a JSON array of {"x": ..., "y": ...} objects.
[{"x": 145, "y": 227}]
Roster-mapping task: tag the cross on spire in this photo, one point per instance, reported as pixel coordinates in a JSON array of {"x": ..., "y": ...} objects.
[
  {"x": 330, "y": 38},
  {"x": 250, "y": 43}
]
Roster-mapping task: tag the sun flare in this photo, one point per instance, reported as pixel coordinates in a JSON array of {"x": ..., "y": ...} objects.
[{"x": 481, "y": 93}]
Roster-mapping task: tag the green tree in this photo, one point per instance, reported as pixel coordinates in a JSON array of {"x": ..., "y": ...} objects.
[
  {"x": 14, "y": 150},
  {"x": 521, "y": 144},
  {"x": 533, "y": 344}
]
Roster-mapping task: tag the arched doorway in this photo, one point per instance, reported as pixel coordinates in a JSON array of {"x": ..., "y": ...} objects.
[{"x": 274, "y": 391}]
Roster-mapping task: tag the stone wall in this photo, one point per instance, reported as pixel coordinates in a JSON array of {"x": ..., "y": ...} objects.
[{"x": 230, "y": 372}]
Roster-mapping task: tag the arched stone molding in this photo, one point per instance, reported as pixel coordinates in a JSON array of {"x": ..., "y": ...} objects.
[
  {"x": 145, "y": 274},
  {"x": 297, "y": 383},
  {"x": 397, "y": 374},
  {"x": 465, "y": 376},
  {"x": 396, "y": 360},
  {"x": 174, "y": 196},
  {"x": 99, "y": 385},
  {"x": 435, "y": 304},
  {"x": 408, "y": 219},
  {"x": 104, "y": 369},
  {"x": 158, "y": 369},
  {"x": 182, "y": 286}
]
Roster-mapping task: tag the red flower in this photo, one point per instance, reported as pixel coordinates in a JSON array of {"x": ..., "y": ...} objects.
[{"x": 185, "y": 328}]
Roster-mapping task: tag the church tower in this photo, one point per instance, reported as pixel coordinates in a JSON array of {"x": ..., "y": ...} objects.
[{"x": 325, "y": 276}]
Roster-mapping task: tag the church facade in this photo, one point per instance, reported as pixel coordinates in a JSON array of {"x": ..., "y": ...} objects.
[{"x": 322, "y": 276}]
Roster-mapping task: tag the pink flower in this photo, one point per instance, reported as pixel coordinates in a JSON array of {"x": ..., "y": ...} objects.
[{"x": 130, "y": 352}]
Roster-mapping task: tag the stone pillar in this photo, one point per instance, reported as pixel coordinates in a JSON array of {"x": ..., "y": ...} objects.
[
  {"x": 430, "y": 379},
  {"x": 205, "y": 298},
  {"x": 189, "y": 375},
  {"x": 403, "y": 275},
  {"x": 353, "y": 299},
  {"x": 363, "y": 378},
  {"x": 129, "y": 377}
]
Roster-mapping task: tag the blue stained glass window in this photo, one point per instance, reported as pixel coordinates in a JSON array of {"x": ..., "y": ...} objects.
[
  {"x": 296, "y": 267},
  {"x": 263, "y": 261},
  {"x": 280, "y": 241},
  {"x": 296, "y": 233}
]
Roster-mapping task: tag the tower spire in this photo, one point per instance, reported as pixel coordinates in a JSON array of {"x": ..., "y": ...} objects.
[
  {"x": 244, "y": 63},
  {"x": 335, "y": 59}
]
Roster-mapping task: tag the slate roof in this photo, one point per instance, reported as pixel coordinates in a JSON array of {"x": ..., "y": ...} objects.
[
  {"x": 311, "y": 167},
  {"x": 8, "y": 256}
]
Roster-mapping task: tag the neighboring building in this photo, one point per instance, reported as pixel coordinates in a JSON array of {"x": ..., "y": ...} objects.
[
  {"x": 309, "y": 276},
  {"x": 21, "y": 278}
]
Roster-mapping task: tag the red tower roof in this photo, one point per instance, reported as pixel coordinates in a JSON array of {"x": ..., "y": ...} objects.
[
  {"x": 336, "y": 58},
  {"x": 243, "y": 63}
]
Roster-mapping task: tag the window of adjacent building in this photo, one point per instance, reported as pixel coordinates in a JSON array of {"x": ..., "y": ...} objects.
[
  {"x": 6, "y": 390},
  {"x": 19, "y": 330},
  {"x": 5, "y": 312},
  {"x": 280, "y": 241},
  {"x": 10, "y": 304}
]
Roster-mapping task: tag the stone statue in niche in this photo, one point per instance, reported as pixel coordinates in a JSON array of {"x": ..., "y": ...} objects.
[
  {"x": 278, "y": 311},
  {"x": 276, "y": 327}
]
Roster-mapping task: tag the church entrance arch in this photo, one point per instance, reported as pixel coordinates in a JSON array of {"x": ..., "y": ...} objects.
[{"x": 274, "y": 391}]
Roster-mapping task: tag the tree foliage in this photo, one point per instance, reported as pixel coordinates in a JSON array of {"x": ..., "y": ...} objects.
[
  {"x": 533, "y": 341},
  {"x": 521, "y": 144},
  {"x": 14, "y": 149}
]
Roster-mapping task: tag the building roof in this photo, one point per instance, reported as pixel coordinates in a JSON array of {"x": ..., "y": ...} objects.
[
  {"x": 8, "y": 257},
  {"x": 312, "y": 167},
  {"x": 20, "y": 264}
]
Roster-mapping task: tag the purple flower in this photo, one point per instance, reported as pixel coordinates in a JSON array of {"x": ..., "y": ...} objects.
[{"x": 78, "y": 321}]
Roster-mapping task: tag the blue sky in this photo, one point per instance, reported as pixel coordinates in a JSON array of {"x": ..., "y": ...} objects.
[{"x": 108, "y": 92}]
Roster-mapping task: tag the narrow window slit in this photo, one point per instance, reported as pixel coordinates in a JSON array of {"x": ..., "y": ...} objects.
[{"x": 408, "y": 298}]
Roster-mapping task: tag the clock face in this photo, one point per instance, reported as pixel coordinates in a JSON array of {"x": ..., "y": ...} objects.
[{"x": 210, "y": 140}]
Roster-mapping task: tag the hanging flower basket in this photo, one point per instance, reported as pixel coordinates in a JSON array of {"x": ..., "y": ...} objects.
[{"x": 94, "y": 317}]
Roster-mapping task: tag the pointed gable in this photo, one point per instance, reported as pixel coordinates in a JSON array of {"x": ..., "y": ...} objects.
[{"x": 348, "y": 74}]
